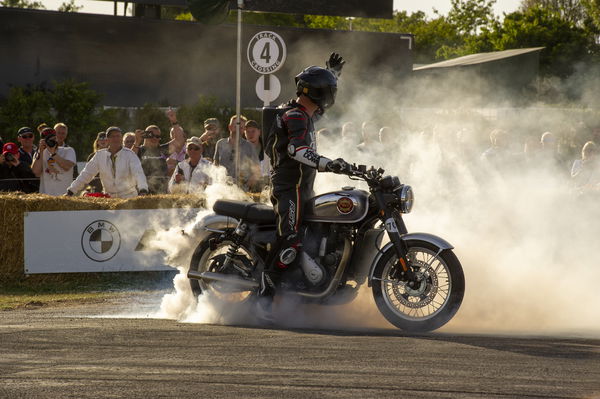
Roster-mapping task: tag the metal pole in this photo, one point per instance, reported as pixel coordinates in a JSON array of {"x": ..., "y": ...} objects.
[{"x": 238, "y": 86}]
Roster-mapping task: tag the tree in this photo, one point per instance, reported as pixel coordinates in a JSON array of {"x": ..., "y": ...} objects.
[
  {"x": 69, "y": 7},
  {"x": 470, "y": 16},
  {"x": 565, "y": 44},
  {"x": 23, "y": 4},
  {"x": 570, "y": 10}
]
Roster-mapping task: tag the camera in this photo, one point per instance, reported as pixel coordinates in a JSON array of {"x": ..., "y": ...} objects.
[
  {"x": 9, "y": 157},
  {"x": 148, "y": 134},
  {"x": 51, "y": 141}
]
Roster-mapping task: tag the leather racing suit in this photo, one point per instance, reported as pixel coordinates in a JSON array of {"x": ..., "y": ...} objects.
[{"x": 294, "y": 163}]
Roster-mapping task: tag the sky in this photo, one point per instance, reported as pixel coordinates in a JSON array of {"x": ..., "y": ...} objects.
[{"x": 443, "y": 6}]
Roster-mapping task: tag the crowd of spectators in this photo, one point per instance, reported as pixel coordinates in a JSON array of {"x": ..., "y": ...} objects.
[
  {"x": 135, "y": 163},
  {"x": 141, "y": 162}
]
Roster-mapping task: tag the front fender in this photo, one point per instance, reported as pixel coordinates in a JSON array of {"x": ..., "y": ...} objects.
[{"x": 439, "y": 242}]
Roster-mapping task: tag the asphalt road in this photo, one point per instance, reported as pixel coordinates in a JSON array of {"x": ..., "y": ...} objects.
[{"x": 64, "y": 353}]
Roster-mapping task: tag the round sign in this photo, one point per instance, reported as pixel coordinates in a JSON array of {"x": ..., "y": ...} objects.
[
  {"x": 100, "y": 240},
  {"x": 268, "y": 88},
  {"x": 266, "y": 52}
]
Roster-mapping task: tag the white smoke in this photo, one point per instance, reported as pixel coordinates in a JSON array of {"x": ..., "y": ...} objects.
[{"x": 525, "y": 242}]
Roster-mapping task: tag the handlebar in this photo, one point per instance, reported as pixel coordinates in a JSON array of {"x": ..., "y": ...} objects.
[{"x": 361, "y": 171}]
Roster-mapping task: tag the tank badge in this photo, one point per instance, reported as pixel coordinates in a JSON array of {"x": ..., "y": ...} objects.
[{"x": 345, "y": 205}]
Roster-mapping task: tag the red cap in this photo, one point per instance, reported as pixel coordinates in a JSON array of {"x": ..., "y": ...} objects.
[
  {"x": 48, "y": 132},
  {"x": 10, "y": 148}
]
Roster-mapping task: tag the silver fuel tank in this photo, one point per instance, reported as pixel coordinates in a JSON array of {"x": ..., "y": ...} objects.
[{"x": 346, "y": 206}]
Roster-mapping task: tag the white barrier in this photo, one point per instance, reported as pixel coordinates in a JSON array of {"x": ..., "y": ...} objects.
[{"x": 98, "y": 241}]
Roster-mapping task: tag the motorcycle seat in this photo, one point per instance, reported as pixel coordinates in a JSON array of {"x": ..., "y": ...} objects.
[{"x": 248, "y": 211}]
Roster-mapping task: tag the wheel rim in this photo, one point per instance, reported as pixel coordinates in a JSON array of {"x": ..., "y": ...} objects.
[
  {"x": 216, "y": 289},
  {"x": 426, "y": 299}
]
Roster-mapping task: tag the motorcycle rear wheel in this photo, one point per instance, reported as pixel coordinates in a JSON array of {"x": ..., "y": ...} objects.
[
  {"x": 431, "y": 303},
  {"x": 201, "y": 262}
]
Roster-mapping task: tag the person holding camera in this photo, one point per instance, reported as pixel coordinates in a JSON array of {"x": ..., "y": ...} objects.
[
  {"x": 191, "y": 175},
  {"x": 53, "y": 164},
  {"x": 119, "y": 169},
  {"x": 209, "y": 138},
  {"x": 14, "y": 174},
  {"x": 153, "y": 159}
]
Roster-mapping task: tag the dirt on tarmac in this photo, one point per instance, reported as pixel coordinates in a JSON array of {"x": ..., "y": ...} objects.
[{"x": 99, "y": 351}]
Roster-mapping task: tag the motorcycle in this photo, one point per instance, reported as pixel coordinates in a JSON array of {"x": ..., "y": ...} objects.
[{"x": 416, "y": 280}]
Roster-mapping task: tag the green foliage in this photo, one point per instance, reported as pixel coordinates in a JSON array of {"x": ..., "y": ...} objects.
[
  {"x": 192, "y": 116},
  {"x": 23, "y": 4},
  {"x": 24, "y": 106},
  {"x": 469, "y": 16},
  {"x": 565, "y": 43},
  {"x": 151, "y": 114},
  {"x": 69, "y": 7}
]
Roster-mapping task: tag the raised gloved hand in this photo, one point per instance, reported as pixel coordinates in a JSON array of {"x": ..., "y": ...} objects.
[
  {"x": 335, "y": 64},
  {"x": 338, "y": 166},
  {"x": 143, "y": 191}
]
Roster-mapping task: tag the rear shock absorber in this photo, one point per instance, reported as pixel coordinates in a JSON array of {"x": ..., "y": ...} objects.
[{"x": 238, "y": 237}]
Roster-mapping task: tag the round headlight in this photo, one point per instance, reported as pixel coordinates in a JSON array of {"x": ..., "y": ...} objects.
[{"x": 407, "y": 199}]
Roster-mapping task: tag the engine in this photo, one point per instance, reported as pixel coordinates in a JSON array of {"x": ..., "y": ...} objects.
[{"x": 323, "y": 247}]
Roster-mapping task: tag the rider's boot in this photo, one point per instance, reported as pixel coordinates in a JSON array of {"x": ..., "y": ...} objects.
[{"x": 285, "y": 255}]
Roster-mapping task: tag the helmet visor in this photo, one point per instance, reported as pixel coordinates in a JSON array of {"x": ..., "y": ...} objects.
[{"x": 328, "y": 97}]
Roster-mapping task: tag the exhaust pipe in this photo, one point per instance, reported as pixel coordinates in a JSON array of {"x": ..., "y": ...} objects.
[{"x": 236, "y": 281}]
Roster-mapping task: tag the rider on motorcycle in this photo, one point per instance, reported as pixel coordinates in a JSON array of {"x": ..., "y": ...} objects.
[{"x": 291, "y": 146}]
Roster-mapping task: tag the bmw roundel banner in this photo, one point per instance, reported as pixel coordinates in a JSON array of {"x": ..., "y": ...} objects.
[{"x": 98, "y": 241}]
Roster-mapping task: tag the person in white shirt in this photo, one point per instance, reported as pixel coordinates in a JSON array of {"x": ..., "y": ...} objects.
[
  {"x": 53, "y": 164},
  {"x": 119, "y": 168},
  {"x": 191, "y": 175}
]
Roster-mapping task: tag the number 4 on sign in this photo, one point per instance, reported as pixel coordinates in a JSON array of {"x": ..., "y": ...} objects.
[{"x": 265, "y": 54}]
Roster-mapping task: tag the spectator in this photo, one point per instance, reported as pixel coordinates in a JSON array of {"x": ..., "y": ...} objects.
[
  {"x": 41, "y": 127},
  {"x": 249, "y": 172},
  {"x": 212, "y": 133},
  {"x": 252, "y": 133},
  {"x": 584, "y": 172},
  {"x": 349, "y": 135},
  {"x": 53, "y": 164},
  {"x": 100, "y": 143},
  {"x": 176, "y": 148},
  {"x": 61, "y": 136},
  {"x": 14, "y": 174},
  {"x": 191, "y": 174},
  {"x": 119, "y": 168},
  {"x": 386, "y": 137},
  {"x": 153, "y": 160},
  {"x": 129, "y": 140},
  {"x": 27, "y": 150},
  {"x": 369, "y": 136},
  {"x": 499, "y": 147}
]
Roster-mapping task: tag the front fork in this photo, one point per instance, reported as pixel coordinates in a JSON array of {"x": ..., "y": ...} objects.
[{"x": 395, "y": 228}]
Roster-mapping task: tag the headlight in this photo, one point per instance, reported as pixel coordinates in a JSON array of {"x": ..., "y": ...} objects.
[{"x": 407, "y": 199}]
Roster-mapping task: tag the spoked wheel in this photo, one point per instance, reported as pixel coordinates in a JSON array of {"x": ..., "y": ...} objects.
[
  {"x": 427, "y": 303},
  {"x": 210, "y": 259}
]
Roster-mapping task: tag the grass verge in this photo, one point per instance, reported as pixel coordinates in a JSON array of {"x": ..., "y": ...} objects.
[{"x": 71, "y": 289}]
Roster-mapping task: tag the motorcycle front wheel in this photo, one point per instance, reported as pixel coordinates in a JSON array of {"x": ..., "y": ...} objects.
[{"x": 425, "y": 305}]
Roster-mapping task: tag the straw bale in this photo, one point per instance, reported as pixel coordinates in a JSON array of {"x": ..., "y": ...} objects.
[{"x": 14, "y": 205}]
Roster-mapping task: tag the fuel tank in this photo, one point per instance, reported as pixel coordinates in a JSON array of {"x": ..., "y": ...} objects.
[{"x": 346, "y": 206}]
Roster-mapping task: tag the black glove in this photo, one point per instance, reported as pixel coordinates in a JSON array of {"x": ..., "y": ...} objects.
[
  {"x": 69, "y": 193},
  {"x": 338, "y": 166},
  {"x": 335, "y": 64},
  {"x": 143, "y": 191}
]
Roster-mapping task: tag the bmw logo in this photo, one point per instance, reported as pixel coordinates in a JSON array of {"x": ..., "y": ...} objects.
[{"x": 100, "y": 241}]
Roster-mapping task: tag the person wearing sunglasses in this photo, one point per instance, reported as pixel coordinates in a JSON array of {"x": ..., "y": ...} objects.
[
  {"x": 27, "y": 148},
  {"x": 191, "y": 175},
  {"x": 153, "y": 160}
]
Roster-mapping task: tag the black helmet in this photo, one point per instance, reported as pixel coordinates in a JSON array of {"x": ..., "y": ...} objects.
[{"x": 318, "y": 84}]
